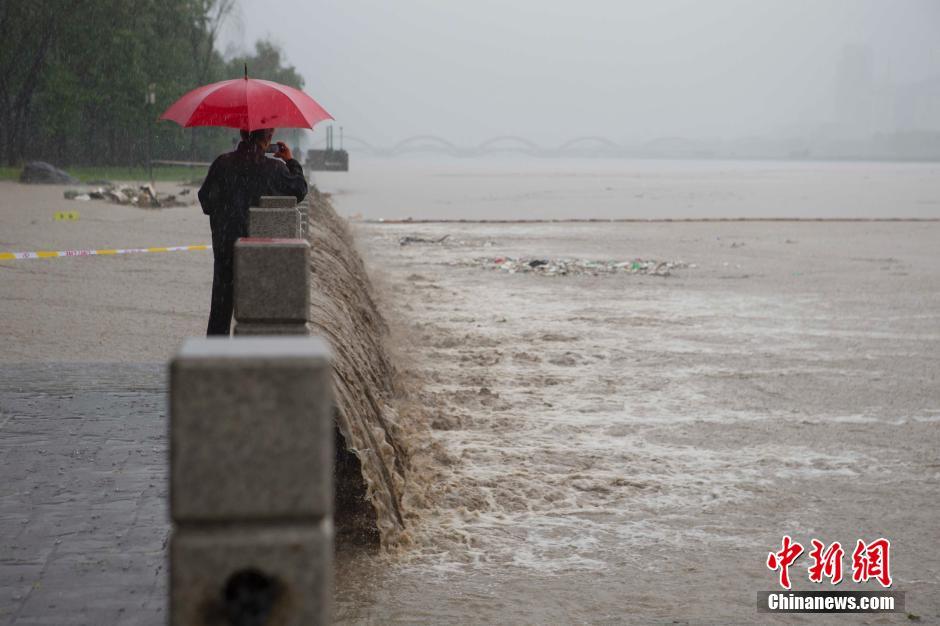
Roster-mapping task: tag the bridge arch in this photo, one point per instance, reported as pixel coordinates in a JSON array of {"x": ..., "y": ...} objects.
[
  {"x": 589, "y": 140},
  {"x": 660, "y": 146},
  {"x": 510, "y": 143},
  {"x": 361, "y": 144},
  {"x": 423, "y": 143}
]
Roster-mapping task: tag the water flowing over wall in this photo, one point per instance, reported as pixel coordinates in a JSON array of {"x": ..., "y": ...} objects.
[{"x": 370, "y": 458}]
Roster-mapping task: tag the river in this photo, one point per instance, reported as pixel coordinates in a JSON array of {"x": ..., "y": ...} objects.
[
  {"x": 627, "y": 448},
  {"x": 526, "y": 188}
]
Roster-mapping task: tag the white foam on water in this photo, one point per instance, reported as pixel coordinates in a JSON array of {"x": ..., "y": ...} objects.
[
  {"x": 619, "y": 433},
  {"x": 549, "y": 495}
]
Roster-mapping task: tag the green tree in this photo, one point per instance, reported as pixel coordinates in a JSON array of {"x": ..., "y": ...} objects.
[
  {"x": 27, "y": 34},
  {"x": 74, "y": 78},
  {"x": 266, "y": 63}
]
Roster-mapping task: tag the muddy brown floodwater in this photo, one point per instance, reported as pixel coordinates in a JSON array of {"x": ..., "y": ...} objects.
[
  {"x": 628, "y": 448},
  {"x": 600, "y": 449}
]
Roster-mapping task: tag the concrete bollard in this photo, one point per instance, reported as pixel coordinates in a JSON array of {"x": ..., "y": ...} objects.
[
  {"x": 277, "y": 202},
  {"x": 272, "y": 286},
  {"x": 251, "y": 462},
  {"x": 274, "y": 223},
  {"x": 284, "y": 202},
  {"x": 304, "y": 210}
]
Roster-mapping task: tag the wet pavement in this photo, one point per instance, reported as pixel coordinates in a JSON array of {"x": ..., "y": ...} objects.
[{"x": 83, "y": 492}]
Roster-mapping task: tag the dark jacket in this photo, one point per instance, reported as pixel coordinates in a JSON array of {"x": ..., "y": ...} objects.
[{"x": 237, "y": 180}]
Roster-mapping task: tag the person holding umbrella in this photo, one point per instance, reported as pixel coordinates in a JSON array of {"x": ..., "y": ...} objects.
[{"x": 238, "y": 179}]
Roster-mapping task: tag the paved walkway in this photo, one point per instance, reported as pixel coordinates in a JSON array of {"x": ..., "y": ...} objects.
[{"x": 83, "y": 491}]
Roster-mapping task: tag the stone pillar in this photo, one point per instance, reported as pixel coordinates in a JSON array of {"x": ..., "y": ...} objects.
[
  {"x": 274, "y": 223},
  {"x": 277, "y": 202},
  {"x": 251, "y": 462},
  {"x": 272, "y": 286},
  {"x": 303, "y": 208},
  {"x": 284, "y": 202}
]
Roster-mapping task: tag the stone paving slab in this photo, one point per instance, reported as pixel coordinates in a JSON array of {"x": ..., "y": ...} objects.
[{"x": 83, "y": 493}]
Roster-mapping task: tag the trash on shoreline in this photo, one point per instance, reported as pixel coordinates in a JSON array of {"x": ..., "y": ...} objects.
[
  {"x": 576, "y": 267},
  {"x": 143, "y": 196}
]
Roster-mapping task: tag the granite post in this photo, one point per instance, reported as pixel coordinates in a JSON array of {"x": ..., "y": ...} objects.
[
  {"x": 251, "y": 462},
  {"x": 272, "y": 286},
  {"x": 285, "y": 202},
  {"x": 279, "y": 223}
]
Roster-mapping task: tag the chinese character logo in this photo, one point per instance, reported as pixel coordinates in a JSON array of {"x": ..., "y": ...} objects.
[
  {"x": 871, "y": 561},
  {"x": 826, "y": 563},
  {"x": 782, "y": 560}
]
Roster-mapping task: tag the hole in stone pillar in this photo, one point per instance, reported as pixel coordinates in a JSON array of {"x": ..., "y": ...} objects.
[
  {"x": 354, "y": 517},
  {"x": 250, "y": 597}
]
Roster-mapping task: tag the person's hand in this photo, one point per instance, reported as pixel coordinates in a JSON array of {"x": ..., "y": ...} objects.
[{"x": 283, "y": 152}]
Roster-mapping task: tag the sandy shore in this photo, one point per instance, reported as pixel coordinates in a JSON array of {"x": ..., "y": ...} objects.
[{"x": 602, "y": 448}]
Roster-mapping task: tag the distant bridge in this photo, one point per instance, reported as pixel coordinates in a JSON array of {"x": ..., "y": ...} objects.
[{"x": 589, "y": 145}]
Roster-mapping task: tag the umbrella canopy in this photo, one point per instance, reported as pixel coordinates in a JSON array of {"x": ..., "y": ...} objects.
[{"x": 246, "y": 103}]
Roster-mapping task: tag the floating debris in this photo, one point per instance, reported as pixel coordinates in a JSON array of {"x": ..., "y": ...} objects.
[
  {"x": 142, "y": 196},
  {"x": 446, "y": 241},
  {"x": 407, "y": 240},
  {"x": 577, "y": 267}
]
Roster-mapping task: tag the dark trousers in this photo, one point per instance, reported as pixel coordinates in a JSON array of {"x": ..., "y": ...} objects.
[
  {"x": 223, "y": 296},
  {"x": 224, "y": 235}
]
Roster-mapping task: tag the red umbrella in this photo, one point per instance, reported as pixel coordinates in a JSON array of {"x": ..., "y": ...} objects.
[{"x": 246, "y": 103}]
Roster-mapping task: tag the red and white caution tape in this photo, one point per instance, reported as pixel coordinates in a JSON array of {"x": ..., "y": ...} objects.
[{"x": 52, "y": 254}]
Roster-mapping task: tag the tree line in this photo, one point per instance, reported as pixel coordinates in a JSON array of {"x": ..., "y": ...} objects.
[{"x": 76, "y": 78}]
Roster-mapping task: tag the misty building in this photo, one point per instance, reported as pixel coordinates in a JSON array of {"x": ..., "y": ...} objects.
[{"x": 864, "y": 105}]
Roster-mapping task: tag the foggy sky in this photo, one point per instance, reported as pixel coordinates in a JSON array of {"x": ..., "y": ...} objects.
[{"x": 550, "y": 70}]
